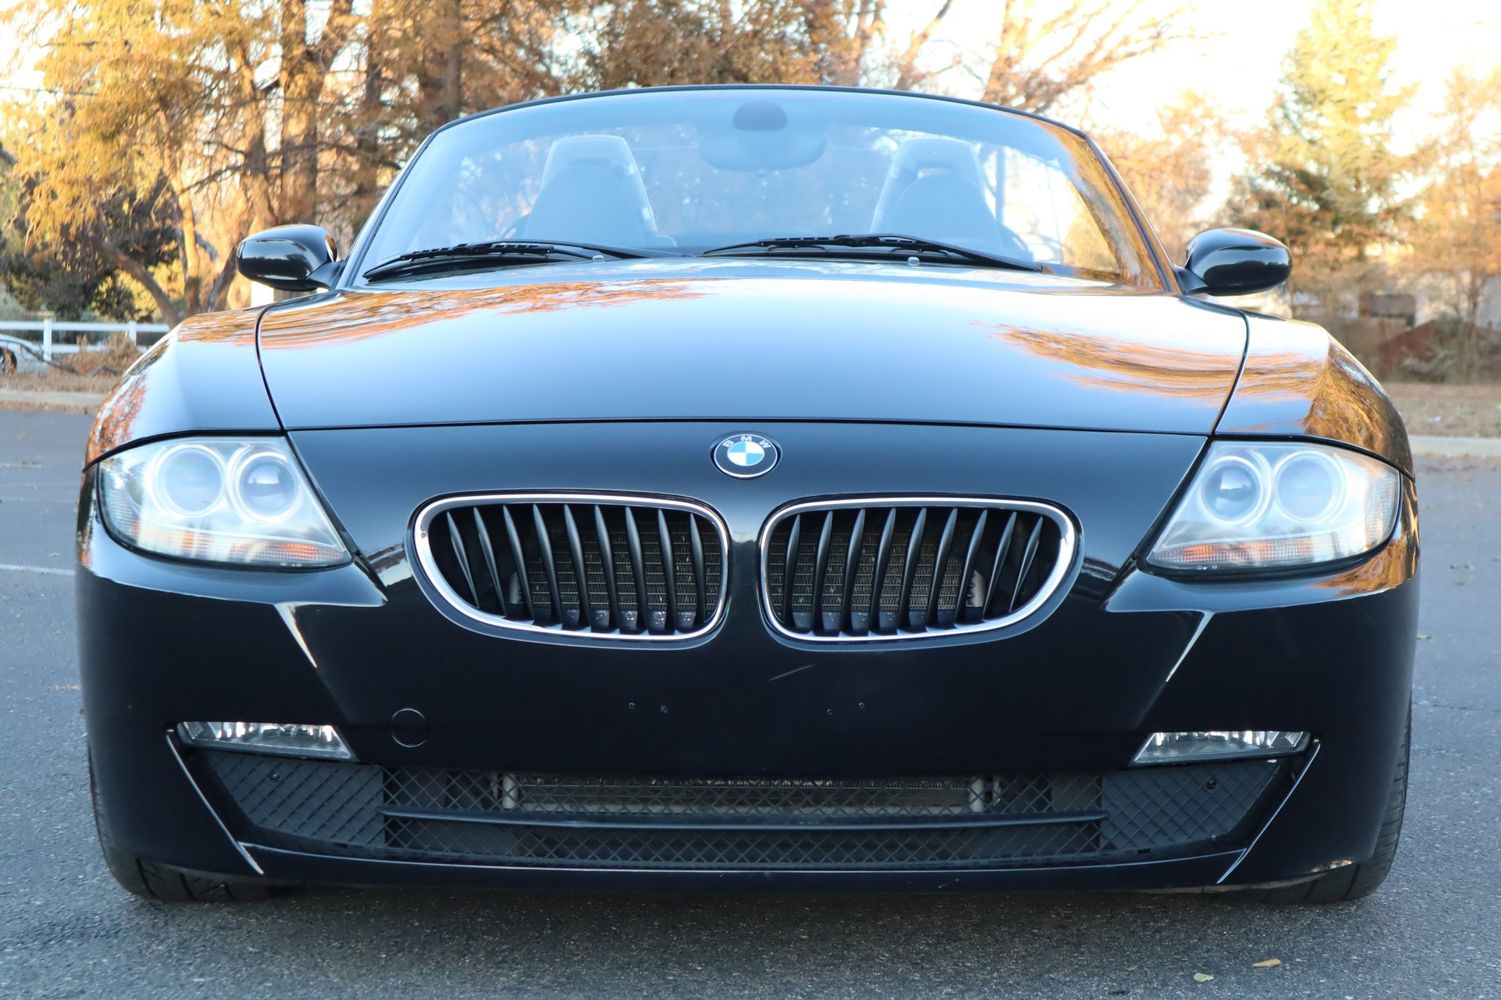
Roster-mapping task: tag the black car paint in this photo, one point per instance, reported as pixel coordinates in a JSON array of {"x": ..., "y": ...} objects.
[
  {"x": 202, "y": 378},
  {"x": 1077, "y": 686},
  {"x": 1109, "y": 424},
  {"x": 1234, "y": 262},
  {"x": 1252, "y": 376},
  {"x": 1076, "y": 690},
  {"x": 296, "y": 258},
  {"x": 695, "y": 339}
]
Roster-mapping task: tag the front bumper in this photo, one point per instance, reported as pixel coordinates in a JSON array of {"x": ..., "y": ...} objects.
[{"x": 1070, "y": 692}]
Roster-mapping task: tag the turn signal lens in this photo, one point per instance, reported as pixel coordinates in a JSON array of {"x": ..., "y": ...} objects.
[
  {"x": 1178, "y": 748},
  {"x": 238, "y": 501},
  {"x": 1278, "y": 506},
  {"x": 287, "y": 739}
]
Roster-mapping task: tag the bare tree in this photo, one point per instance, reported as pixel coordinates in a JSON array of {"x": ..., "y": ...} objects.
[
  {"x": 1168, "y": 167},
  {"x": 909, "y": 74},
  {"x": 1458, "y": 236},
  {"x": 1045, "y": 52}
]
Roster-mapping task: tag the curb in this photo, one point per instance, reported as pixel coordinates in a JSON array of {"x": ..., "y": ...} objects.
[
  {"x": 88, "y": 401},
  {"x": 1455, "y": 447}
]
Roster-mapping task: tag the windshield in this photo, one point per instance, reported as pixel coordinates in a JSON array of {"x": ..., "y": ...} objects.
[{"x": 690, "y": 171}]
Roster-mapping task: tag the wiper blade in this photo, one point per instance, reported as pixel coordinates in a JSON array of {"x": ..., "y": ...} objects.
[
  {"x": 462, "y": 256},
  {"x": 896, "y": 242}
]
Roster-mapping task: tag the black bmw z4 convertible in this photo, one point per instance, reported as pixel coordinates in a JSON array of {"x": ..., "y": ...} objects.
[{"x": 750, "y": 487}]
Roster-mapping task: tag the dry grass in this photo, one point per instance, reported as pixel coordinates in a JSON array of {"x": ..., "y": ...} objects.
[
  {"x": 92, "y": 370},
  {"x": 1449, "y": 410},
  {"x": 57, "y": 381}
]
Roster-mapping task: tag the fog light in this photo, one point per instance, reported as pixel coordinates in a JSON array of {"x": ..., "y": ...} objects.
[
  {"x": 288, "y": 739},
  {"x": 1170, "y": 748}
]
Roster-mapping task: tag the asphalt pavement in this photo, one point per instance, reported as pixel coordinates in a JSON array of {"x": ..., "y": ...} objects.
[{"x": 1434, "y": 929}]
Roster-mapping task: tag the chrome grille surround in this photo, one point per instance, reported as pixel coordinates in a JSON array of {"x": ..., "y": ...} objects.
[
  {"x": 443, "y": 593},
  {"x": 1062, "y": 569}
]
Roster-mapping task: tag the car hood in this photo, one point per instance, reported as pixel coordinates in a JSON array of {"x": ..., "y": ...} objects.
[{"x": 750, "y": 340}]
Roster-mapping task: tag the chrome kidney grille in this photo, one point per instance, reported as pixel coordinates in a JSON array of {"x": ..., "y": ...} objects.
[
  {"x": 603, "y": 565},
  {"x": 908, "y": 567}
]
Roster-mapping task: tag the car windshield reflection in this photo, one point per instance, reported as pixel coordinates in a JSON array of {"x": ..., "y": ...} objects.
[{"x": 683, "y": 172}]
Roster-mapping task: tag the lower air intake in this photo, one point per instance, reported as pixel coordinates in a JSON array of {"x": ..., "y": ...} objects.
[{"x": 781, "y": 824}]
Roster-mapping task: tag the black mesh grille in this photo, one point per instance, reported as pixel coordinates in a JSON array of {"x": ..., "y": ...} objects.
[
  {"x": 874, "y": 571},
  {"x": 492, "y": 817},
  {"x": 591, "y": 565}
]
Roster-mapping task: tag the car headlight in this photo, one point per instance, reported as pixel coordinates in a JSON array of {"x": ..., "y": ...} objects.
[
  {"x": 1278, "y": 506},
  {"x": 225, "y": 500}
]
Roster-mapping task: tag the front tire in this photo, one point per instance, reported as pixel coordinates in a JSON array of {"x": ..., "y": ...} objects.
[
  {"x": 163, "y": 882},
  {"x": 1355, "y": 881}
]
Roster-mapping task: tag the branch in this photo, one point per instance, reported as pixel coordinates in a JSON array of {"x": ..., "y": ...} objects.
[
  {"x": 218, "y": 292},
  {"x": 908, "y": 75},
  {"x": 137, "y": 270}
]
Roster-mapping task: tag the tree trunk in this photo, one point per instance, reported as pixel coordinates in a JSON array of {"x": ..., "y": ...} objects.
[
  {"x": 164, "y": 304},
  {"x": 301, "y": 90},
  {"x": 440, "y": 78},
  {"x": 367, "y": 147}
]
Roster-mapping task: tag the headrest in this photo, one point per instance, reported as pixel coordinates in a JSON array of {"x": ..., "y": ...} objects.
[
  {"x": 603, "y": 150},
  {"x": 915, "y": 156}
]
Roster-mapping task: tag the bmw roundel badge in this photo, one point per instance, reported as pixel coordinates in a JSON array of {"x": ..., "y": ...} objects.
[{"x": 746, "y": 456}]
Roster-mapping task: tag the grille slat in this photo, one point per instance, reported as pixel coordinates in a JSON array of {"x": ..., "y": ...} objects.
[
  {"x": 947, "y": 617},
  {"x": 903, "y": 612},
  {"x": 489, "y": 550},
  {"x": 580, "y": 574},
  {"x": 638, "y": 570},
  {"x": 696, "y": 550},
  {"x": 1029, "y": 555},
  {"x": 518, "y": 559},
  {"x": 878, "y": 579},
  {"x": 613, "y": 567},
  {"x": 607, "y": 562},
  {"x": 940, "y": 565},
  {"x": 925, "y": 574},
  {"x": 794, "y": 537},
  {"x": 851, "y": 564},
  {"x": 461, "y": 556},
  {"x": 549, "y": 564},
  {"x": 992, "y": 586},
  {"x": 669, "y": 570}
]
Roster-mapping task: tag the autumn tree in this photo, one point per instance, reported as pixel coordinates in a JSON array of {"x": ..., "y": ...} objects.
[
  {"x": 1168, "y": 169},
  {"x": 1458, "y": 235},
  {"x": 663, "y": 42},
  {"x": 1323, "y": 176},
  {"x": 210, "y": 107},
  {"x": 216, "y": 119},
  {"x": 1046, "y": 52},
  {"x": 411, "y": 67},
  {"x": 70, "y": 276}
]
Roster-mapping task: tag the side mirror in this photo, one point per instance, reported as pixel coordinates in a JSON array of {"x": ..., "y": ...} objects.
[
  {"x": 1234, "y": 262},
  {"x": 290, "y": 258}
]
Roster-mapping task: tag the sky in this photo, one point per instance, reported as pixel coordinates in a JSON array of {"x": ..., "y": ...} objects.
[
  {"x": 1238, "y": 59},
  {"x": 1235, "y": 64}
]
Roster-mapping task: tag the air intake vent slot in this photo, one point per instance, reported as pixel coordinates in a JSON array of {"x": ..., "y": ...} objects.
[
  {"x": 595, "y": 565},
  {"x": 891, "y": 569}
]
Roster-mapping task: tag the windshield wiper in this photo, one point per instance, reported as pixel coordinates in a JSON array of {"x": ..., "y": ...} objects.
[
  {"x": 496, "y": 253},
  {"x": 873, "y": 241}
]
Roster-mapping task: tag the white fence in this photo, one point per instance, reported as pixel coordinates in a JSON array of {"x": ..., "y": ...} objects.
[{"x": 50, "y": 344}]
